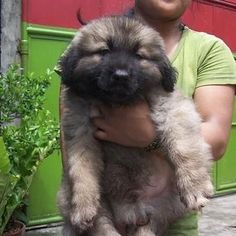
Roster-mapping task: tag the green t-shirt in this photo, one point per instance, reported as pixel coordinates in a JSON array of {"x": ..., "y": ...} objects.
[{"x": 202, "y": 59}]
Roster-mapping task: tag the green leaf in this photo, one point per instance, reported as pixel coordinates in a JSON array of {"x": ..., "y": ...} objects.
[
  {"x": 4, "y": 160},
  {"x": 30, "y": 134}
]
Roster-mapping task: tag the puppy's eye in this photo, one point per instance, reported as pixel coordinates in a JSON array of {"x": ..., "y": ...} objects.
[
  {"x": 143, "y": 53},
  {"x": 103, "y": 51},
  {"x": 139, "y": 56}
]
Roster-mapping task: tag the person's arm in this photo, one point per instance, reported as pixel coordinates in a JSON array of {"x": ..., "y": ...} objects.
[{"x": 215, "y": 105}]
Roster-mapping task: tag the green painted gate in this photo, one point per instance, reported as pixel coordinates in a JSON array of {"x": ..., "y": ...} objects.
[
  {"x": 224, "y": 176},
  {"x": 40, "y": 49}
]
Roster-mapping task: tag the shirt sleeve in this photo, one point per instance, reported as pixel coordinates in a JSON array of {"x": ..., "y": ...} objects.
[{"x": 216, "y": 65}]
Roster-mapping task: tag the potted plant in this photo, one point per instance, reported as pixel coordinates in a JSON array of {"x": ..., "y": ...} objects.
[{"x": 28, "y": 134}]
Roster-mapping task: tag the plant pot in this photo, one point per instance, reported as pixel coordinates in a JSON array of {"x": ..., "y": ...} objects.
[{"x": 16, "y": 228}]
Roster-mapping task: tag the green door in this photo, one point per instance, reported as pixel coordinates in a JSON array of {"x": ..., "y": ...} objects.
[
  {"x": 225, "y": 169},
  {"x": 41, "y": 48}
]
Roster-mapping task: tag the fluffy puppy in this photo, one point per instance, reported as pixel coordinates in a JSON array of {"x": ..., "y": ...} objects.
[{"x": 109, "y": 189}]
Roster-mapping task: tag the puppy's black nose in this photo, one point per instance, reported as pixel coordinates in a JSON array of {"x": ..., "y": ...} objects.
[{"x": 120, "y": 74}]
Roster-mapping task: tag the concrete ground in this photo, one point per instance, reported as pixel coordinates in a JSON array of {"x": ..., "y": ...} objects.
[{"x": 218, "y": 219}]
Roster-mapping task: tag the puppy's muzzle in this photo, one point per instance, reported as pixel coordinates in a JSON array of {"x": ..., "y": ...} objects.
[
  {"x": 115, "y": 80},
  {"x": 120, "y": 75}
]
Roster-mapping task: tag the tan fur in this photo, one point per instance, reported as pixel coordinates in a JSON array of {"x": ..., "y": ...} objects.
[{"x": 96, "y": 198}]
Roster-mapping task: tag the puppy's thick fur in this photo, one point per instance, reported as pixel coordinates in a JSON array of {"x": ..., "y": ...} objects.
[{"x": 118, "y": 61}]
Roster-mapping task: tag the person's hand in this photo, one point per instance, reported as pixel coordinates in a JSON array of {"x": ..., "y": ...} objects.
[{"x": 129, "y": 126}]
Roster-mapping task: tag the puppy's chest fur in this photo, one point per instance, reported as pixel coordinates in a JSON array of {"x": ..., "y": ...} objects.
[{"x": 127, "y": 171}]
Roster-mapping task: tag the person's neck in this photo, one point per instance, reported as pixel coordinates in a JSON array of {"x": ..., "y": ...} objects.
[{"x": 170, "y": 31}]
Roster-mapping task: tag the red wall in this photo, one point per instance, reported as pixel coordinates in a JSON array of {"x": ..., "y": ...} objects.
[
  {"x": 62, "y": 13},
  {"x": 217, "y": 17}
]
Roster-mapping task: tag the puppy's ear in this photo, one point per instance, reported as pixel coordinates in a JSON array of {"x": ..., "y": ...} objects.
[
  {"x": 68, "y": 63},
  {"x": 169, "y": 75}
]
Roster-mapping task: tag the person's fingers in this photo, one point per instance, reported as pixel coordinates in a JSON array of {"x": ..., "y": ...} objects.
[
  {"x": 99, "y": 123},
  {"x": 100, "y": 134}
]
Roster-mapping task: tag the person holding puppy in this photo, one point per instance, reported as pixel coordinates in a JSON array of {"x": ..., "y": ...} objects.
[{"x": 202, "y": 75}]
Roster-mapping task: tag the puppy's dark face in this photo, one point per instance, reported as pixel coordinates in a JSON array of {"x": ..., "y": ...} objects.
[{"x": 116, "y": 60}]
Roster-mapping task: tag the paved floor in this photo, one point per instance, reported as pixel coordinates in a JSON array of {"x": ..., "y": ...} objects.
[{"x": 217, "y": 219}]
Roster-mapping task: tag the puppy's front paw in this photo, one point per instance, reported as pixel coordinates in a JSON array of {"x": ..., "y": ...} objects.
[
  {"x": 83, "y": 218},
  {"x": 196, "y": 197},
  {"x": 193, "y": 201}
]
